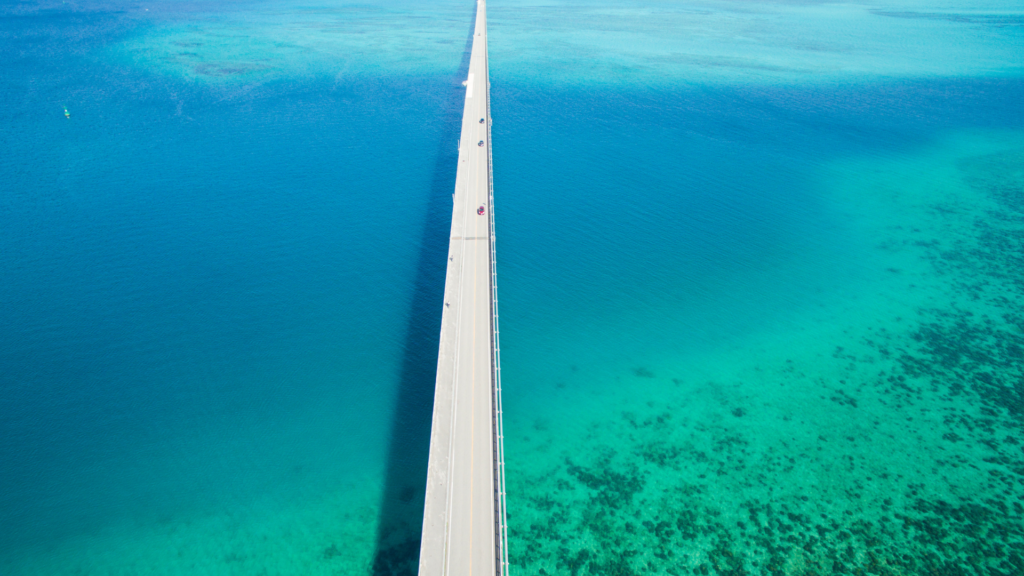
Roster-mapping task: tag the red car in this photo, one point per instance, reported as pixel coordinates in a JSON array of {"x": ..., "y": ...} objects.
[{"x": 480, "y": 210}]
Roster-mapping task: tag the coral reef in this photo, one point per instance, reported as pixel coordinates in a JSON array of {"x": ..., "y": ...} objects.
[{"x": 899, "y": 454}]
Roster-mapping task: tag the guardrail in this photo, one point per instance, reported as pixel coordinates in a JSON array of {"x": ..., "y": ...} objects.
[{"x": 499, "y": 440}]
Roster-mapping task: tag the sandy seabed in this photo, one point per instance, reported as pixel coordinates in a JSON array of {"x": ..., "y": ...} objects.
[{"x": 884, "y": 435}]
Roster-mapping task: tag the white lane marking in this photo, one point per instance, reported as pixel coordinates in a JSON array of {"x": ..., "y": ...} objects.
[{"x": 469, "y": 86}]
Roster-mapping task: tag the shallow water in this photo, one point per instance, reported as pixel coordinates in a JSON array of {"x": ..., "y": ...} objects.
[{"x": 759, "y": 275}]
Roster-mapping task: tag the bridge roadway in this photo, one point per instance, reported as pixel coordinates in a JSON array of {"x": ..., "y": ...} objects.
[{"x": 463, "y": 518}]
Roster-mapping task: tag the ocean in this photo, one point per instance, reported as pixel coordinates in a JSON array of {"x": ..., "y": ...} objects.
[{"x": 759, "y": 267}]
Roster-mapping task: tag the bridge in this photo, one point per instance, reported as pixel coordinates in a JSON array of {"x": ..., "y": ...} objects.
[{"x": 464, "y": 527}]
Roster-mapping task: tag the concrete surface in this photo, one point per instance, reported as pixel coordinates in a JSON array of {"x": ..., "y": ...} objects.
[{"x": 462, "y": 511}]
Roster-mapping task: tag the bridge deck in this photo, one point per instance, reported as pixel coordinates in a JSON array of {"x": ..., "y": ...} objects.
[{"x": 461, "y": 521}]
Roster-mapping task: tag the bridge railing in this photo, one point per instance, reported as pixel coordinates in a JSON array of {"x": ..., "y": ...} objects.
[{"x": 502, "y": 532}]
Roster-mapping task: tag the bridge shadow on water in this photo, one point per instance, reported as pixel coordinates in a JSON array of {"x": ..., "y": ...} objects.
[{"x": 401, "y": 510}]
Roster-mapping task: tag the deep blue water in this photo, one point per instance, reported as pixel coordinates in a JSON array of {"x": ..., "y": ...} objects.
[
  {"x": 216, "y": 275},
  {"x": 689, "y": 219},
  {"x": 205, "y": 289}
]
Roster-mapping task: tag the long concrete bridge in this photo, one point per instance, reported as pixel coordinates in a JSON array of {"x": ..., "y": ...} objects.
[{"x": 464, "y": 528}]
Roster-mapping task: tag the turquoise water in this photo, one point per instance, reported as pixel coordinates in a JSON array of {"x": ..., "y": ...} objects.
[{"x": 759, "y": 268}]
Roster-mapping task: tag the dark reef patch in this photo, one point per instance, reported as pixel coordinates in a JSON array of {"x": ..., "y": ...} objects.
[{"x": 642, "y": 372}]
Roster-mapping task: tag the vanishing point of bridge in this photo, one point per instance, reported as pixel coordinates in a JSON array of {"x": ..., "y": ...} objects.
[{"x": 464, "y": 528}]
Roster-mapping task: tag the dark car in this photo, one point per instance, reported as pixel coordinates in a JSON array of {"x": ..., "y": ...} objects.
[{"x": 480, "y": 143}]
